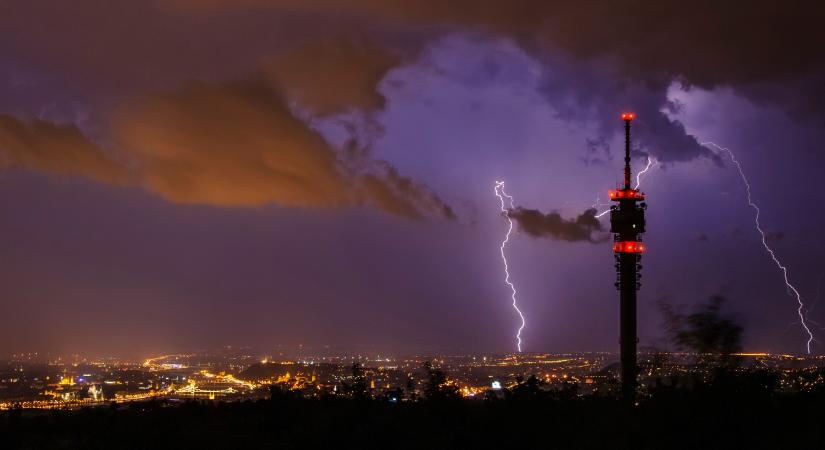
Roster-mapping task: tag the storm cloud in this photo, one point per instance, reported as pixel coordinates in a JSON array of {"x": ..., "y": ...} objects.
[
  {"x": 605, "y": 56},
  {"x": 584, "y": 228},
  {"x": 246, "y": 143},
  {"x": 57, "y": 148},
  {"x": 597, "y": 58}
]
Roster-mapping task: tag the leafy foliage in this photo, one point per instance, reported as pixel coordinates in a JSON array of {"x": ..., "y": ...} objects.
[{"x": 716, "y": 338}]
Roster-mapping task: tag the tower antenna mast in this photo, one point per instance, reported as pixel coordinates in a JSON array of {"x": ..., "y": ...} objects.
[{"x": 627, "y": 223}]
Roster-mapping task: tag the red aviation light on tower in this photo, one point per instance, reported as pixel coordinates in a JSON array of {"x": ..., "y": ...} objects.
[
  {"x": 628, "y": 116},
  {"x": 628, "y": 247},
  {"x": 622, "y": 194}
]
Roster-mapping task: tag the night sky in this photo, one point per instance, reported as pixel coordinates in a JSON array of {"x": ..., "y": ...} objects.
[{"x": 182, "y": 174}]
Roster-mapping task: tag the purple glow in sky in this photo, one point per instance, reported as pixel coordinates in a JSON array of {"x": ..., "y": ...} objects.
[{"x": 181, "y": 175}]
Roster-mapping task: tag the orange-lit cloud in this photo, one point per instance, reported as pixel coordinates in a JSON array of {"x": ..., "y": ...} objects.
[
  {"x": 245, "y": 143},
  {"x": 231, "y": 145},
  {"x": 44, "y": 146}
]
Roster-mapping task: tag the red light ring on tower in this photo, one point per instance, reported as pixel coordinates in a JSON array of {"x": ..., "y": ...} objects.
[
  {"x": 620, "y": 194},
  {"x": 628, "y": 247}
]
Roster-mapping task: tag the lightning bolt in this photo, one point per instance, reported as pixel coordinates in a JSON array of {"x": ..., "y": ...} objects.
[
  {"x": 598, "y": 205},
  {"x": 650, "y": 162},
  {"x": 765, "y": 244},
  {"x": 499, "y": 190}
]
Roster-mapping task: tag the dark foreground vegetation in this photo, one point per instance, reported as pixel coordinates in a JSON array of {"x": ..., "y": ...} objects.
[{"x": 730, "y": 412}]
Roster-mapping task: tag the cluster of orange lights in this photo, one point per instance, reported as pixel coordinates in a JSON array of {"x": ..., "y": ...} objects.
[
  {"x": 628, "y": 247},
  {"x": 628, "y": 116},
  {"x": 625, "y": 193}
]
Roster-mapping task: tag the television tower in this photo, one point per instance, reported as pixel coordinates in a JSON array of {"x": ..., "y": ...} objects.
[{"x": 627, "y": 223}]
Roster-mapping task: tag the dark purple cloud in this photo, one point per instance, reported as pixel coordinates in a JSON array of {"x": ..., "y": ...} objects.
[
  {"x": 552, "y": 225},
  {"x": 619, "y": 54},
  {"x": 623, "y": 54}
]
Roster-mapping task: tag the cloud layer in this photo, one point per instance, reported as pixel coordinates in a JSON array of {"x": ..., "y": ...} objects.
[
  {"x": 606, "y": 56},
  {"x": 597, "y": 59},
  {"x": 552, "y": 225},
  {"x": 239, "y": 144},
  {"x": 245, "y": 143},
  {"x": 39, "y": 145}
]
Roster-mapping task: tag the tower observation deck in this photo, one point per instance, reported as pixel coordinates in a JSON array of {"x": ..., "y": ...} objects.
[{"x": 627, "y": 223}]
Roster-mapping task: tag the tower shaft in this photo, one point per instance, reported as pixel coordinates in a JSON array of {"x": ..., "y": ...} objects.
[
  {"x": 627, "y": 323},
  {"x": 627, "y": 223}
]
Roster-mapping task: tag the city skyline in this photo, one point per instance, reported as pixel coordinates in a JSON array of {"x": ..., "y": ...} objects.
[{"x": 229, "y": 374}]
